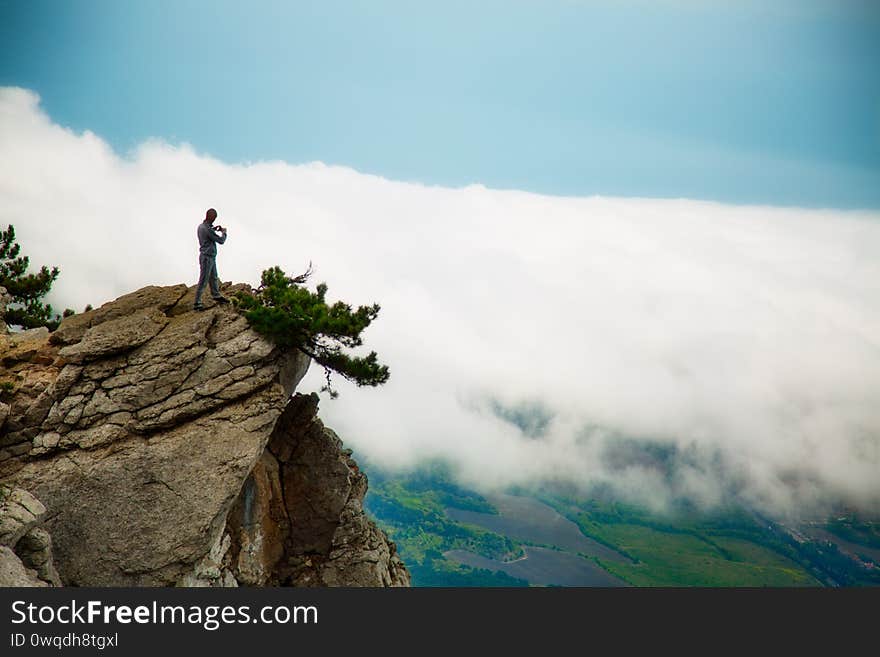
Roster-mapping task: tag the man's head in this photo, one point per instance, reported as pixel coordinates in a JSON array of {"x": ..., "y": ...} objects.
[{"x": 210, "y": 215}]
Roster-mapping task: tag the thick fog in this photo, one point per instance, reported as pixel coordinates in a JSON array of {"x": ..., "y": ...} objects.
[{"x": 662, "y": 348}]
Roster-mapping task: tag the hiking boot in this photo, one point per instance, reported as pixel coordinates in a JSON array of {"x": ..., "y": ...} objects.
[
  {"x": 221, "y": 299},
  {"x": 198, "y": 309}
]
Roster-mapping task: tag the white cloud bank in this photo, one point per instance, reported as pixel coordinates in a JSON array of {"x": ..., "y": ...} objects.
[{"x": 743, "y": 343}]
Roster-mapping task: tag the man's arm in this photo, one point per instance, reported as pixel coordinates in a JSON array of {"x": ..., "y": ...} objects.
[{"x": 218, "y": 238}]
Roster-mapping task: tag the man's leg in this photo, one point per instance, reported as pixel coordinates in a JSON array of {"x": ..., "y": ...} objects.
[
  {"x": 215, "y": 283},
  {"x": 205, "y": 271}
]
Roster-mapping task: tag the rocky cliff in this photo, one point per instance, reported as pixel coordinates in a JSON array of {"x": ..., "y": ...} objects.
[{"x": 166, "y": 449}]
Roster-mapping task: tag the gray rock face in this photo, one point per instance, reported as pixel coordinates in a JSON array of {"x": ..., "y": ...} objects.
[
  {"x": 300, "y": 518},
  {"x": 14, "y": 573},
  {"x": 19, "y": 513},
  {"x": 25, "y": 548},
  {"x": 35, "y": 551},
  {"x": 140, "y": 431},
  {"x": 141, "y": 424}
]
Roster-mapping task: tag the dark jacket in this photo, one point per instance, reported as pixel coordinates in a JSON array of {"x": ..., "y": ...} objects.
[{"x": 208, "y": 239}]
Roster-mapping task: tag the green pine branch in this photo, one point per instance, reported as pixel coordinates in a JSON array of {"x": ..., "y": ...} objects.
[
  {"x": 293, "y": 316},
  {"x": 27, "y": 290}
]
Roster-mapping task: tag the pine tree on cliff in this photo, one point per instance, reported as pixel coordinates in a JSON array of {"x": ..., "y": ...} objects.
[
  {"x": 292, "y": 316},
  {"x": 27, "y": 290}
]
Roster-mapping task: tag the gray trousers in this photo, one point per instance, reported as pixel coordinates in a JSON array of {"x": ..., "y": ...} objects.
[{"x": 207, "y": 274}]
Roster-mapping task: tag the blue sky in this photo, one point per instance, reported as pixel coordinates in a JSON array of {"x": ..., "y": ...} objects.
[{"x": 734, "y": 102}]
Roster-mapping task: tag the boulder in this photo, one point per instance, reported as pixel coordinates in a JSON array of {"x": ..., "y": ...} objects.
[
  {"x": 166, "y": 446},
  {"x": 13, "y": 572},
  {"x": 25, "y": 547}
]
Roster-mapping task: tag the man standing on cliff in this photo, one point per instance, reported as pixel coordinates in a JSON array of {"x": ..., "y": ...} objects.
[{"x": 208, "y": 241}]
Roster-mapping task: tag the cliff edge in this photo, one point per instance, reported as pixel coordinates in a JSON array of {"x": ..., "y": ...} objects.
[{"x": 167, "y": 450}]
